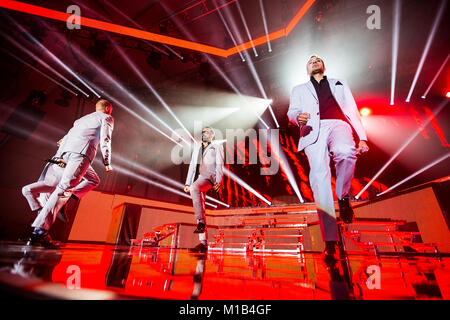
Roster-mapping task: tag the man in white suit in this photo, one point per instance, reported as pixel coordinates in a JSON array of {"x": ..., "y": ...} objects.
[
  {"x": 77, "y": 150},
  {"x": 327, "y": 115},
  {"x": 205, "y": 172}
]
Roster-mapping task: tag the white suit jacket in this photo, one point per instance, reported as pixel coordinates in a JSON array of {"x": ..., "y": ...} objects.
[
  {"x": 87, "y": 134},
  {"x": 211, "y": 163},
  {"x": 304, "y": 99}
]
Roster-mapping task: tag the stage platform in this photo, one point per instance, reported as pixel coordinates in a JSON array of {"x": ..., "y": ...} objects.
[
  {"x": 94, "y": 271},
  {"x": 122, "y": 247}
]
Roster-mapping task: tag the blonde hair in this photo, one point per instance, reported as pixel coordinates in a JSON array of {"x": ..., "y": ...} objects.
[{"x": 104, "y": 103}]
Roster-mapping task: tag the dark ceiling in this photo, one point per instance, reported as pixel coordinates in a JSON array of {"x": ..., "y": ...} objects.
[{"x": 335, "y": 30}]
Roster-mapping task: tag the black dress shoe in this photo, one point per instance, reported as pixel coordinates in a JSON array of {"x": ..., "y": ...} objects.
[
  {"x": 345, "y": 210},
  {"x": 200, "y": 228},
  {"x": 200, "y": 248},
  {"x": 43, "y": 240}
]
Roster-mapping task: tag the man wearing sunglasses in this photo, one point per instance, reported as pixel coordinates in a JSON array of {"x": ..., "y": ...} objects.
[{"x": 205, "y": 172}]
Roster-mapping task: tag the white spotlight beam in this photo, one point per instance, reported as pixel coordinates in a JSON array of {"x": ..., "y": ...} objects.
[
  {"x": 41, "y": 62},
  {"x": 39, "y": 71},
  {"x": 260, "y": 86},
  {"x": 437, "y": 20},
  {"x": 160, "y": 176},
  {"x": 136, "y": 100},
  {"x": 119, "y": 86},
  {"x": 137, "y": 116},
  {"x": 261, "y": 5},
  {"x": 55, "y": 58},
  {"x": 246, "y": 186},
  {"x": 411, "y": 138},
  {"x": 250, "y": 64},
  {"x": 395, "y": 37},
  {"x": 251, "y": 67},
  {"x": 151, "y": 182},
  {"x": 435, "y": 162},
  {"x": 189, "y": 36},
  {"x": 284, "y": 164},
  {"x": 287, "y": 169},
  {"x": 273, "y": 116},
  {"x": 435, "y": 77},
  {"x": 150, "y": 87},
  {"x": 224, "y": 76},
  {"x": 246, "y": 28},
  {"x": 113, "y": 81},
  {"x": 228, "y": 30}
]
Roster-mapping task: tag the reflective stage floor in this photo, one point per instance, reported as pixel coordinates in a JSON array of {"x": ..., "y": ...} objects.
[{"x": 93, "y": 271}]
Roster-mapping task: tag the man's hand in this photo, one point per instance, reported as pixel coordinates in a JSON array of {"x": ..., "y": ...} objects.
[
  {"x": 186, "y": 189},
  {"x": 61, "y": 162},
  {"x": 108, "y": 168},
  {"x": 362, "y": 147},
  {"x": 217, "y": 186},
  {"x": 59, "y": 142},
  {"x": 302, "y": 118}
]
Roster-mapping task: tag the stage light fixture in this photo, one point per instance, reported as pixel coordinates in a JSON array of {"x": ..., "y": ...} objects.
[{"x": 365, "y": 112}]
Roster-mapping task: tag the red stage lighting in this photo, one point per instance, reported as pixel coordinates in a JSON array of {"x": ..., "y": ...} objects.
[
  {"x": 365, "y": 112},
  {"x": 447, "y": 94}
]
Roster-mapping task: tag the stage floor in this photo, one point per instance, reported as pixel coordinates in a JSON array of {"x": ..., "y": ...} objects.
[{"x": 93, "y": 271}]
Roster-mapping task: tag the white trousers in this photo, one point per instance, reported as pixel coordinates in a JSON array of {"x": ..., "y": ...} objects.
[
  {"x": 198, "y": 192},
  {"x": 76, "y": 167},
  {"x": 335, "y": 140},
  {"x": 38, "y": 193}
]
